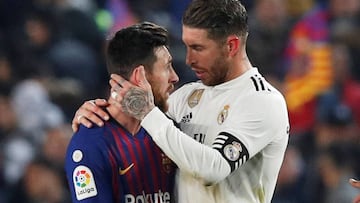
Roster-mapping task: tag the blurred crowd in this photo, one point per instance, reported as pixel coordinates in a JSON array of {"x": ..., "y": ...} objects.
[{"x": 51, "y": 61}]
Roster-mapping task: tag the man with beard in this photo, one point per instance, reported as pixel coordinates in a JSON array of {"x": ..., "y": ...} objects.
[{"x": 119, "y": 162}]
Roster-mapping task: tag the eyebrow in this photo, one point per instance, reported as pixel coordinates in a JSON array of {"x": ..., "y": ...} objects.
[{"x": 194, "y": 46}]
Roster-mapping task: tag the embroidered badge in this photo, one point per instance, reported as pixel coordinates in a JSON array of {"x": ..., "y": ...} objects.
[
  {"x": 167, "y": 164},
  {"x": 195, "y": 97},
  {"x": 223, "y": 114},
  {"x": 232, "y": 151},
  {"x": 84, "y": 183},
  {"x": 77, "y": 155}
]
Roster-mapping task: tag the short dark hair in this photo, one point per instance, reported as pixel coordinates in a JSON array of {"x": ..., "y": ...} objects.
[
  {"x": 220, "y": 18},
  {"x": 133, "y": 46}
]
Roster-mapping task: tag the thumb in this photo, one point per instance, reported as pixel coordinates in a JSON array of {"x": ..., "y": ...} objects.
[{"x": 355, "y": 183}]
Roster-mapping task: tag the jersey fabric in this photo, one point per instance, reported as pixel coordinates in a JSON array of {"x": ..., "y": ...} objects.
[
  {"x": 108, "y": 164},
  {"x": 243, "y": 125}
]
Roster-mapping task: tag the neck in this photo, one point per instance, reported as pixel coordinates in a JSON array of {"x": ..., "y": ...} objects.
[
  {"x": 245, "y": 65},
  {"x": 131, "y": 124},
  {"x": 241, "y": 64}
]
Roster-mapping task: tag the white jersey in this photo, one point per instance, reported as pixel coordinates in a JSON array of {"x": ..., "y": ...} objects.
[{"x": 243, "y": 125}]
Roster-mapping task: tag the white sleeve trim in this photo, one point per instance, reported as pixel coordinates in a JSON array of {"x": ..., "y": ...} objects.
[{"x": 191, "y": 156}]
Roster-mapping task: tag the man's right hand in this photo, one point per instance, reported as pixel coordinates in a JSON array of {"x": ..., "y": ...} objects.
[{"x": 90, "y": 112}]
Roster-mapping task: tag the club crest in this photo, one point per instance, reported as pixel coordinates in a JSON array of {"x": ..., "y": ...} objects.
[
  {"x": 195, "y": 97},
  {"x": 167, "y": 164},
  {"x": 223, "y": 114}
]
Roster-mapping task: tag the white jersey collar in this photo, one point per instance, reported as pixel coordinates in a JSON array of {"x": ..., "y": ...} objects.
[{"x": 236, "y": 81}]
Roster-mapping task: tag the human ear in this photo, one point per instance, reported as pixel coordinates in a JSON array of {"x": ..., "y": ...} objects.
[
  {"x": 233, "y": 43},
  {"x": 138, "y": 75}
]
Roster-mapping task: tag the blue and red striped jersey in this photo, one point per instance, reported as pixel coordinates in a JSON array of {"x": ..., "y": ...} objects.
[{"x": 108, "y": 164}]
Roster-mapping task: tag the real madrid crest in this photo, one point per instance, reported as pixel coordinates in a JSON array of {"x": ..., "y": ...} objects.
[
  {"x": 223, "y": 114},
  {"x": 195, "y": 97},
  {"x": 232, "y": 151}
]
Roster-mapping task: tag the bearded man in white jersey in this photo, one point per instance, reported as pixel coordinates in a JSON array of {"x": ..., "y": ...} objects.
[{"x": 234, "y": 125}]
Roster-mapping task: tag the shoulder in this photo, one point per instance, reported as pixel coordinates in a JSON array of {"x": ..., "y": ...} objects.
[
  {"x": 87, "y": 147},
  {"x": 258, "y": 95},
  {"x": 87, "y": 135},
  {"x": 255, "y": 85},
  {"x": 90, "y": 140}
]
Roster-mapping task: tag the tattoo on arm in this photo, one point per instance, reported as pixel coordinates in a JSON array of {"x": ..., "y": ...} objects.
[{"x": 137, "y": 102}]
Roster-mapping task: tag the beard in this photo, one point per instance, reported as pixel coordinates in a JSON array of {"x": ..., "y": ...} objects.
[
  {"x": 160, "y": 100},
  {"x": 217, "y": 71}
]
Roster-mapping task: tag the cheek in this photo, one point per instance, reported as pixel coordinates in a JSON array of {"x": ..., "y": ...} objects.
[
  {"x": 204, "y": 59},
  {"x": 159, "y": 83},
  {"x": 209, "y": 59}
]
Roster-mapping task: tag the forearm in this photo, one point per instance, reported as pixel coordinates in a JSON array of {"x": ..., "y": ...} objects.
[{"x": 190, "y": 156}]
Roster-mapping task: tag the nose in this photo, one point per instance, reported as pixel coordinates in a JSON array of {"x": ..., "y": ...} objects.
[
  {"x": 174, "y": 78},
  {"x": 189, "y": 58}
]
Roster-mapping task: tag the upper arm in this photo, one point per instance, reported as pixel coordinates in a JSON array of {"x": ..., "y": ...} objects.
[{"x": 87, "y": 170}]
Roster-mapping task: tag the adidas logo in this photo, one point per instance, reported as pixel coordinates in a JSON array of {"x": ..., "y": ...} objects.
[{"x": 187, "y": 118}]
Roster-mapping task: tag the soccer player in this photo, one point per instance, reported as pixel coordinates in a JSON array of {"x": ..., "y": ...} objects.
[
  {"x": 234, "y": 124},
  {"x": 119, "y": 162}
]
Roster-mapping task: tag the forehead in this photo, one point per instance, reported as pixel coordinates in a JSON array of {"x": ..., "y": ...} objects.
[
  {"x": 162, "y": 55},
  {"x": 194, "y": 35}
]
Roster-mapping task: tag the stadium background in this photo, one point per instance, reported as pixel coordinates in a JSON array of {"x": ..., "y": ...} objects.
[{"x": 51, "y": 61}]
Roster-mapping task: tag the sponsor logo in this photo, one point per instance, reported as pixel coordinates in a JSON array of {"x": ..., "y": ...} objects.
[
  {"x": 163, "y": 197},
  {"x": 84, "y": 183},
  {"x": 122, "y": 172},
  {"x": 187, "y": 118}
]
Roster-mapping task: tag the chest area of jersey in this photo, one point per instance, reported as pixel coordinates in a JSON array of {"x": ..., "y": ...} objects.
[
  {"x": 205, "y": 115},
  {"x": 140, "y": 162}
]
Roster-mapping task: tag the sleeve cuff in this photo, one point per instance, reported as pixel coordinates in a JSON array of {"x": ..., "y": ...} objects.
[{"x": 154, "y": 121}]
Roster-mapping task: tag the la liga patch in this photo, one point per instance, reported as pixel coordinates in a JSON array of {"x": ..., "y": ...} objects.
[{"x": 84, "y": 183}]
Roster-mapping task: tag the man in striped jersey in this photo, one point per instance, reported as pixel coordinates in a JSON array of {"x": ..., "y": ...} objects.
[
  {"x": 234, "y": 124},
  {"x": 119, "y": 162}
]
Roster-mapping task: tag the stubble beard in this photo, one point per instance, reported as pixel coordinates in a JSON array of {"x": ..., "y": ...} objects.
[
  {"x": 217, "y": 72},
  {"x": 159, "y": 100}
]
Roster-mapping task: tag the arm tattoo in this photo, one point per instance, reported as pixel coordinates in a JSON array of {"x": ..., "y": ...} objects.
[{"x": 137, "y": 102}]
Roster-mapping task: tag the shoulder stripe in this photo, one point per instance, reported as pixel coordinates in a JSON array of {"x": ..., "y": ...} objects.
[
  {"x": 259, "y": 83},
  {"x": 255, "y": 83}
]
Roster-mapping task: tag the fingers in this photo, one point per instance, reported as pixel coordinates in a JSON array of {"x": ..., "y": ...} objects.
[
  {"x": 357, "y": 199},
  {"x": 139, "y": 74},
  {"x": 118, "y": 90},
  {"x": 90, "y": 112},
  {"x": 74, "y": 125},
  {"x": 115, "y": 99},
  {"x": 355, "y": 183},
  {"x": 143, "y": 81},
  {"x": 116, "y": 96},
  {"x": 119, "y": 81},
  {"x": 115, "y": 87}
]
